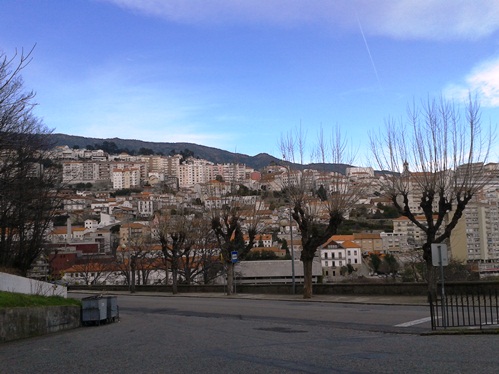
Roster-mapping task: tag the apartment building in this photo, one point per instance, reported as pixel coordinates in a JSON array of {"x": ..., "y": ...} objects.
[
  {"x": 476, "y": 236},
  {"x": 230, "y": 172},
  {"x": 146, "y": 206},
  {"x": 195, "y": 171},
  {"x": 85, "y": 171},
  {"x": 169, "y": 165},
  {"x": 394, "y": 242},
  {"x": 67, "y": 153},
  {"x": 125, "y": 178},
  {"x": 133, "y": 233},
  {"x": 359, "y": 173},
  {"x": 367, "y": 242},
  {"x": 402, "y": 226}
]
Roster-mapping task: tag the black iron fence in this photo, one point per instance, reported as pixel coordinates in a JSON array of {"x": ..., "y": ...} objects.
[{"x": 465, "y": 306}]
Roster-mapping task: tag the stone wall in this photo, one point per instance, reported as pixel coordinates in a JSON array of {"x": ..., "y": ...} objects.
[
  {"x": 280, "y": 289},
  {"x": 20, "y": 323},
  {"x": 381, "y": 288}
]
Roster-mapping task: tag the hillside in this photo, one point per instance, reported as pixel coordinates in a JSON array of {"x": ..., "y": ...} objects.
[{"x": 216, "y": 155}]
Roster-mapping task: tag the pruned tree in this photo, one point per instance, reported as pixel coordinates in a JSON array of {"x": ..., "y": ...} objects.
[
  {"x": 227, "y": 225},
  {"x": 176, "y": 241},
  {"x": 28, "y": 181},
  {"x": 133, "y": 257},
  {"x": 201, "y": 263},
  {"x": 434, "y": 163},
  {"x": 150, "y": 262},
  {"x": 188, "y": 246},
  {"x": 320, "y": 201}
]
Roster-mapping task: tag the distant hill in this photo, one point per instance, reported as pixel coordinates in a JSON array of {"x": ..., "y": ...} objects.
[{"x": 215, "y": 155}]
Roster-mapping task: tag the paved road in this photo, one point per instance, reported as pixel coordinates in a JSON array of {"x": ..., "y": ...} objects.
[
  {"x": 356, "y": 316},
  {"x": 220, "y": 335}
]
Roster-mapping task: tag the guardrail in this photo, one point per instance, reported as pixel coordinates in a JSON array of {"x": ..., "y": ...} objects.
[{"x": 467, "y": 306}]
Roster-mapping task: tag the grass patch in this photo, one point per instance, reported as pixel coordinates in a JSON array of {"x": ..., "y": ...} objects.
[{"x": 15, "y": 300}]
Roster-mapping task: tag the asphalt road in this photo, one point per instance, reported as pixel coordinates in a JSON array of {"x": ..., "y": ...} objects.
[{"x": 221, "y": 335}]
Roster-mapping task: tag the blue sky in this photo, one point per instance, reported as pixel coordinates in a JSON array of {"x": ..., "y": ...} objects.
[{"x": 236, "y": 74}]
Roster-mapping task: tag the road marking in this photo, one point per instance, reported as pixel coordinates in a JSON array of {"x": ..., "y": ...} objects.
[{"x": 415, "y": 322}]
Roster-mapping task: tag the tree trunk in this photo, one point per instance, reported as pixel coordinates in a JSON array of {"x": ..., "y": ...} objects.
[
  {"x": 132, "y": 284},
  {"x": 167, "y": 273},
  {"x": 174, "y": 281},
  {"x": 432, "y": 276},
  {"x": 431, "y": 271},
  {"x": 307, "y": 281},
  {"x": 230, "y": 279}
]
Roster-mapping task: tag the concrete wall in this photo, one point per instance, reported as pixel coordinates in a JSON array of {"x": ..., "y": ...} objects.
[
  {"x": 20, "y": 323},
  {"x": 14, "y": 283}
]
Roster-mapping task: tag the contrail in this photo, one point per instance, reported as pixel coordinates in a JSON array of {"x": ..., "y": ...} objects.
[{"x": 369, "y": 52}]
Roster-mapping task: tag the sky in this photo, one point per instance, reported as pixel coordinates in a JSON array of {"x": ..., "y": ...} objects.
[{"x": 239, "y": 75}]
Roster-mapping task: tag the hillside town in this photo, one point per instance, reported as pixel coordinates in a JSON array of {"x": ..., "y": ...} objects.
[{"x": 109, "y": 224}]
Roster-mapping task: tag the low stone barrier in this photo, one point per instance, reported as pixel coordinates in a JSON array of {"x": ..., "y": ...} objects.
[
  {"x": 279, "y": 289},
  {"x": 380, "y": 288},
  {"x": 20, "y": 323}
]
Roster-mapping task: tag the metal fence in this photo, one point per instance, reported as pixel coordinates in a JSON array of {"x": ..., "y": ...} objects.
[{"x": 470, "y": 306}]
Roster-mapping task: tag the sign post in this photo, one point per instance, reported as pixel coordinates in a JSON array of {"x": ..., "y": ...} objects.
[
  {"x": 439, "y": 257},
  {"x": 233, "y": 257}
]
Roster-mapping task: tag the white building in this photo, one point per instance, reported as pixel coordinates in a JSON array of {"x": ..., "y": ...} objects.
[
  {"x": 145, "y": 207},
  {"x": 125, "y": 178},
  {"x": 334, "y": 256}
]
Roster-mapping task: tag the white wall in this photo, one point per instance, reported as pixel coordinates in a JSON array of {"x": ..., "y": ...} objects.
[{"x": 14, "y": 283}]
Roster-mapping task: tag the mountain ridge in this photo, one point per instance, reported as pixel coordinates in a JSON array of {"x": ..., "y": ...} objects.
[{"x": 216, "y": 155}]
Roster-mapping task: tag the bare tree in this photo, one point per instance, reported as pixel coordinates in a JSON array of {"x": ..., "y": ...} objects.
[
  {"x": 434, "y": 165},
  {"x": 176, "y": 242},
  {"x": 28, "y": 180},
  {"x": 320, "y": 201},
  {"x": 227, "y": 227},
  {"x": 201, "y": 263},
  {"x": 134, "y": 257},
  {"x": 93, "y": 271}
]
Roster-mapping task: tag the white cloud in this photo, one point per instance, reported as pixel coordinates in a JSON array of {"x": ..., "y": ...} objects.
[
  {"x": 401, "y": 19},
  {"x": 431, "y": 19},
  {"x": 482, "y": 81}
]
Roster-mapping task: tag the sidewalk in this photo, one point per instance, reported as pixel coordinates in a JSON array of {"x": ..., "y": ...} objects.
[{"x": 349, "y": 299}]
